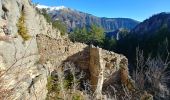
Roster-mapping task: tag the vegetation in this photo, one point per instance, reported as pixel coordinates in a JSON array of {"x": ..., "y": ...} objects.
[
  {"x": 152, "y": 75},
  {"x": 123, "y": 33},
  {"x": 56, "y": 24},
  {"x": 93, "y": 35},
  {"x": 22, "y": 30},
  {"x": 65, "y": 84},
  {"x": 79, "y": 35},
  {"x": 152, "y": 44},
  {"x": 59, "y": 25},
  {"x": 46, "y": 15},
  {"x": 110, "y": 43},
  {"x": 150, "y": 68}
]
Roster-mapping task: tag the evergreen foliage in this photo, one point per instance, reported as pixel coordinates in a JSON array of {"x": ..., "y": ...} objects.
[
  {"x": 59, "y": 25},
  {"x": 46, "y": 15},
  {"x": 56, "y": 24},
  {"x": 94, "y": 35}
]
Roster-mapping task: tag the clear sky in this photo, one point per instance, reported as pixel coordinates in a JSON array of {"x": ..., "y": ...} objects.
[{"x": 135, "y": 9}]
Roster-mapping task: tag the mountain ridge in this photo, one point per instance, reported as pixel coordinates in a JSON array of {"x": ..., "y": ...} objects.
[
  {"x": 153, "y": 23},
  {"x": 153, "y": 32},
  {"x": 74, "y": 18}
]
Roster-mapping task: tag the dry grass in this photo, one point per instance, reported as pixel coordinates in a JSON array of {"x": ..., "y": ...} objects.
[
  {"x": 22, "y": 30},
  {"x": 4, "y": 93}
]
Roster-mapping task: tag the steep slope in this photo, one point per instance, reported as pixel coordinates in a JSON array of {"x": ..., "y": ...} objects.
[
  {"x": 20, "y": 74},
  {"x": 73, "y": 18},
  {"x": 153, "y": 24},
  {"x": 150, "y": 36}
]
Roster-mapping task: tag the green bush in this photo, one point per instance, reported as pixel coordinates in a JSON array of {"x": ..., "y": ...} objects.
[
  {"x": 59, "y": 25},
  {"x": 56, "y": 24},
  {"x": 91, "y": 35},
  {"x": 46, "y": 16},
  {"x": 76, "y": 97},
  {"x": 52, "y": 84}
]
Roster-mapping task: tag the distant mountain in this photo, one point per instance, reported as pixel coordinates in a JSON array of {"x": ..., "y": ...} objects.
[
  {"x": 73, "y": 18},
  {"x": 151, "y": 36},
  {"x": 153, "y": 24},
  {"x": 50, "y": 8},
  {"x": 118, "y": 34}
]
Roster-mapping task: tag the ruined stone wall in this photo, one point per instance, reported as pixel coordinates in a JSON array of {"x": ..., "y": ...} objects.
[
  {"x": 105, "y": 67},
  {"x": 95, "y": 66},
  {"x": 56, "y": 51}
]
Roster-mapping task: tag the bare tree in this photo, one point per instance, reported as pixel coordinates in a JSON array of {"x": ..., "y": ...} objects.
[{"x": 152, "y": 75}]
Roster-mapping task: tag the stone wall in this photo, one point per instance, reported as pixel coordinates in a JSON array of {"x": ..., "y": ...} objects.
[
  {"x": 105, "y": 68},
  {"x": 56, "y": 51}
]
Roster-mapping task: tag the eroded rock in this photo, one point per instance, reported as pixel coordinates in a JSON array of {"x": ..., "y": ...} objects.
[{"x": 19, "y": 60}]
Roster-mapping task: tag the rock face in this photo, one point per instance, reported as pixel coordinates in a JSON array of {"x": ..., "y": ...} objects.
[
  {"x": 73, "y": 18},
  {"x": 20, "y": 74},
  {"x": 57, "y": 51}
]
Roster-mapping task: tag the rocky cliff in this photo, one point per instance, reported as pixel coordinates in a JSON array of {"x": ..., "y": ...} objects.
[
  {"x": 73, "y": 18},
  {"x": 21, "y": 77}
]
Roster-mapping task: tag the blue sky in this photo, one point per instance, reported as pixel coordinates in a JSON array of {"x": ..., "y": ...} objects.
[{"x": 135, "y": 9}]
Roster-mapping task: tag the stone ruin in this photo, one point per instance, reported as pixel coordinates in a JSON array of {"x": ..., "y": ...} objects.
[{"x": 104, "y": 68}]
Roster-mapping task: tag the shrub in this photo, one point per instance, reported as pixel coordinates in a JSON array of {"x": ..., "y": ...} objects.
[
  {"x": 90, "y": 35},
  {"x": 76, "y": 97},
  {"x": 22, "y": 30},
  {"x": 64, "y": 84},
  {"x": 56, "y": 24},
  {"x": 152, "y": 75},
  {"x": 46, "y": 16},
  {"x": 59, "y": 25}
]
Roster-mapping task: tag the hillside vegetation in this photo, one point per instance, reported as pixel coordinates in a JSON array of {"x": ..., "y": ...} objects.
[
  {"x": 147, "y": 48},
  {"x": 55, "y": 23}
]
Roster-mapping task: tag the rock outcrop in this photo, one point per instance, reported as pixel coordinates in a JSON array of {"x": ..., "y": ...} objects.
[{"x": 21, "y": 77}]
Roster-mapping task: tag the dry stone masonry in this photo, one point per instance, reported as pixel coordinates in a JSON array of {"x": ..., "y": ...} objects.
[{"x": 105, "y": 68}]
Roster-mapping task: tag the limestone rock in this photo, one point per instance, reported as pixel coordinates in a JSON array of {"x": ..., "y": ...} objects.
[{"x": 19, "y": 60}]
